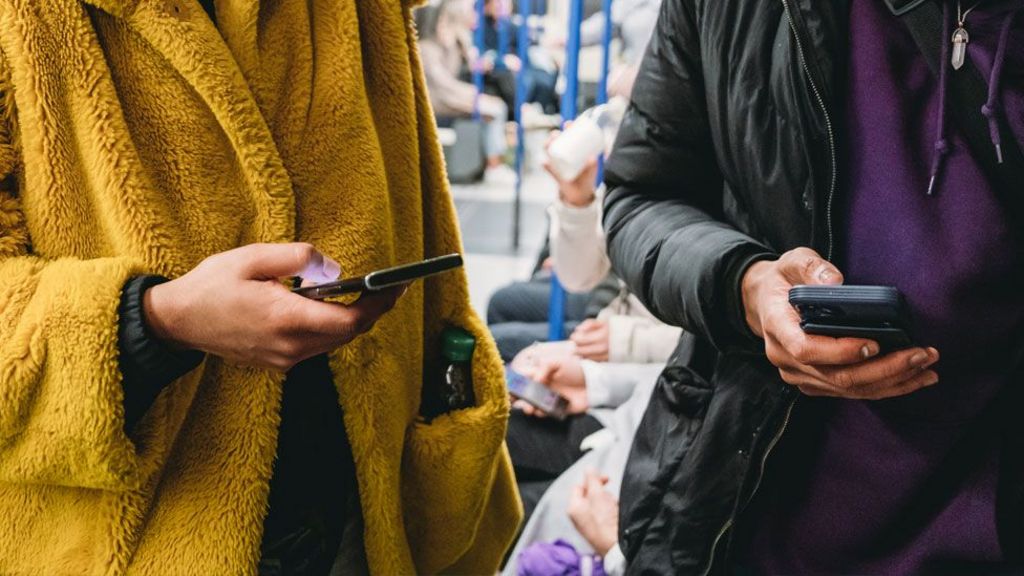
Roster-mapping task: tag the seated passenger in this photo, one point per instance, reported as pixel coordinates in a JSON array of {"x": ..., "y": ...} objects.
[
  {"x": 542, "y": 448},
  {"x": 446, "y": 49},
  {"x": 576, "y": 507}
]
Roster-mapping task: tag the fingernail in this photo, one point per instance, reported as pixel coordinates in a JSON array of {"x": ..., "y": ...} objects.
[
  {"x": 825, "y": 275},
  {"x": 869, "y": 350},
  {"x": 919, "y": 359},
  {"x": 331, "y": 269},
  {"x": 932, "y": 381}
]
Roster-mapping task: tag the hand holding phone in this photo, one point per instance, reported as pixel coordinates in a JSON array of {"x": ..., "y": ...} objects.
[
  {"x": 848, "y": 366},
  {"x": 232, "y": 305},
  {"x": 537, "y": 395}
]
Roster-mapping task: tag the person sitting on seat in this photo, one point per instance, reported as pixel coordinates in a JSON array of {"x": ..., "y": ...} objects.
[{"x": 447, "y": 51}]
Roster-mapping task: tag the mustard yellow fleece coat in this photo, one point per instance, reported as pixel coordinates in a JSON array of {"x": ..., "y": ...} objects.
[{"x": 137, "y": 138}]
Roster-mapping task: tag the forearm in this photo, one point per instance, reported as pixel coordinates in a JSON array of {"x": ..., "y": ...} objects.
[
  {"x": 609, "y": 385},
  {"x": 577, "y": 246},
  {"x": 640, "y": 339},
  {"x": 683, "y": 264}
]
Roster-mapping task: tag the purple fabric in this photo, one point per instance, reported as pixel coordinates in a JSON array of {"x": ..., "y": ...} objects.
[
  {"x": 558, "y": 558},
  {"x": 891, "y": 487}
]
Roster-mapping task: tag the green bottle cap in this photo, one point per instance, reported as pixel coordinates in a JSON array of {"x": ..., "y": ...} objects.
[{"x": 457, "y": 345}]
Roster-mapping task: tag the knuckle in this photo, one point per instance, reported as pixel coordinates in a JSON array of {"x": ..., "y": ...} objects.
[
  {"x": 809, "y": 264},
  {"x": 303, "y": 253},
  {"x": 800, "y": 351},
  {"x": 869, "y": 395},
  {"x": 789, "y": 377},
  {"x": 281, "y": 363},
  {"x": 358, "y": 320},
  {"x": 842, "y": 379},
  {"x": 283, "y": 324},
  {"x": 895, "y": 369},
  {"x": 775, "y": 356},
  {"x": 290, "y": 349}
]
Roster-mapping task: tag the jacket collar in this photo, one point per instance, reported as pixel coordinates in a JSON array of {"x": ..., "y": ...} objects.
[{"x": 223, "y": 76}]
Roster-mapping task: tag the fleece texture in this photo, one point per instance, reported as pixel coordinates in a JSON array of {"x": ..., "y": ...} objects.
[{"x": 137, "y": 138}]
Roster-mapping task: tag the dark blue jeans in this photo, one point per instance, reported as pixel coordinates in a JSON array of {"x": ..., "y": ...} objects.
[{"x": 518, "y": 315}]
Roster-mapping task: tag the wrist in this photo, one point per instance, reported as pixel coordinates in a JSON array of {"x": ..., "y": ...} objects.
[
  {"x": 575, "y": 199},
  {"x": 161, "y": 311},
  {"x": 753, "y": 280},
  {"x": 603, "y": 543}
]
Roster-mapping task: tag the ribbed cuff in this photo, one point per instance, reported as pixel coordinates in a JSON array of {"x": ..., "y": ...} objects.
[
  {"x": 614, "y": 561},
  {"x": 147, "y": 364}
]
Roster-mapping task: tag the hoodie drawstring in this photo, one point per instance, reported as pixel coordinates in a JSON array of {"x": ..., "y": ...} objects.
[
  {"x": 941, "y": 148},
  {"x": 993, "y": 106}
]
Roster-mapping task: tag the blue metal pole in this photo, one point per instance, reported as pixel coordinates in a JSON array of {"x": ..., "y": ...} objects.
[
  {"x": 478, "y": 73},
  {"x": 503, "y": 34},
  {"x": 606, "y": 45},
  {"x": 602, "y": 85},
  {"x": 572, "y": 60},
  {"x": 556, "y": 309},
  {"x": 523, "y": 41}
]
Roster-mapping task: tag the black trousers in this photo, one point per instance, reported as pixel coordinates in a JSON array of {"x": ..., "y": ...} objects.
[
  {"x": 543, "y": 448},
  {"x": 313, "y": 492}
]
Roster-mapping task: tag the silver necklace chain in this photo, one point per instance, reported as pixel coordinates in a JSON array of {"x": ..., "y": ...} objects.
[{"x": 961, "y": 16}]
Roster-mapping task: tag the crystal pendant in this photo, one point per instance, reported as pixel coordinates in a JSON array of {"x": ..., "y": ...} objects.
[{"x": 960, "y": 40}]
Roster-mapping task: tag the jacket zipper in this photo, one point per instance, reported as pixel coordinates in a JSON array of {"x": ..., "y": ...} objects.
[
  {"x": 828, "y": 127},
  {"x": 757, "y": 484},
  {"x": 833, "y": 165}
]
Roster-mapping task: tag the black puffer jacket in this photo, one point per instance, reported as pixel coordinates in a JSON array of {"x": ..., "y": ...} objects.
[{"x": 727, "y": 155}]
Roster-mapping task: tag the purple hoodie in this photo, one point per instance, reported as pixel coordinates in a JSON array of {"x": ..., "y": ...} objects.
[{"x": 909, "y": 485}]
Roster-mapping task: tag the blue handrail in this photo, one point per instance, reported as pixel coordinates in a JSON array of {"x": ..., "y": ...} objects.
[
  {"x": 606, "y": 57},
  {"x": 572, "y": 60},
  {"x": 602, "y": 86},
  {"x": 523, "y": 41},
  {"x": 556, "y": 307}
]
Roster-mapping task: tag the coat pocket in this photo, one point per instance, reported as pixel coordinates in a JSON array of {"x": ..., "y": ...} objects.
[
  {"x": 671, "y": 422},
  {"x": 459, "y": 494}
]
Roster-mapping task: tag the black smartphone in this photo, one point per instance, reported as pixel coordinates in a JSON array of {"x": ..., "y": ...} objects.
[
  {"x": 876, "y": 313},
  {"x": 382, "y": 279},
  {"x": 537, "y": 394}
]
